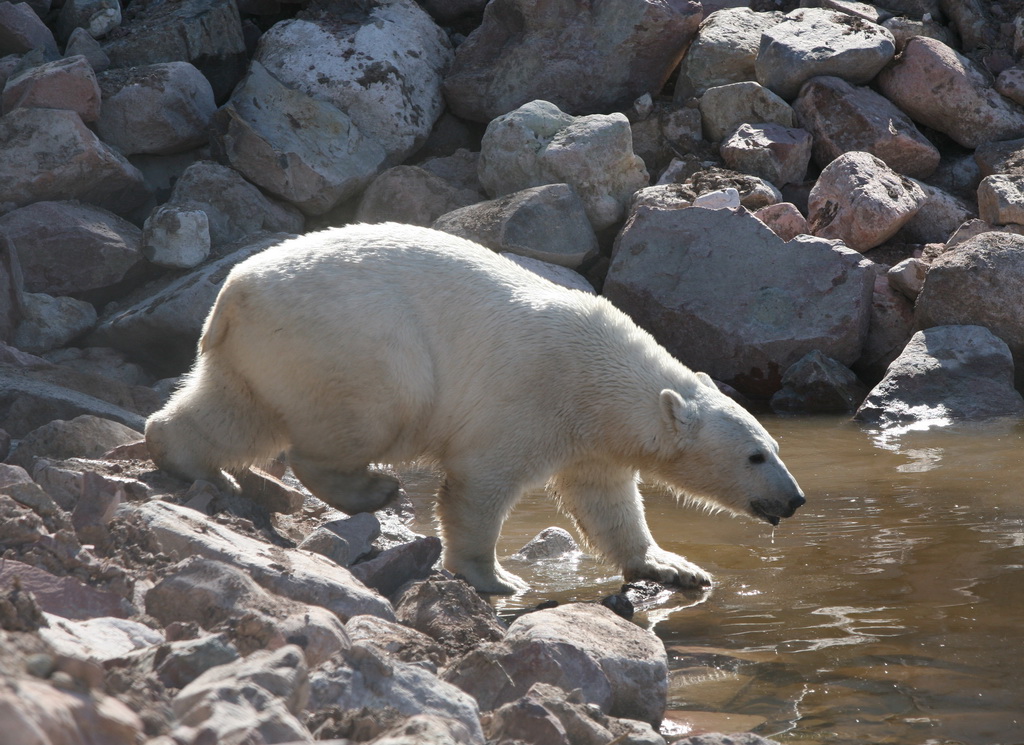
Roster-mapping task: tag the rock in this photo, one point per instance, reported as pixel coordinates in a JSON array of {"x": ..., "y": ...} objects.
[
  {"x": 904, "y": 29},
  {"x": 890, "y": 328},
  {"x": 1005, "y": 157},
  {"x": 399, "y": 565},
  {"x": 205, "y": 33},
  {"x": 942, "y": 89},
  {"x": 67, "y": 596},
  {"x": 669, "y": 129},
  {"x": 548, "y": 223},
  {"x": 1010, "y": 84},
  {"x": 358, "y": 532},
  {"x": 269, "y": 492},
  {"x": 426, "y": 729},
  {"x": 859, "y": 200},
  {"x": 560, "y": 275},
  {"x": 364, "y": 677},
  {"x": 100, "y": 639},
  {"x": 384, "y": 71},
  {"x": 176, "y": 238},
  {"x": 49, "y": 154},
  {"x": 562, "y": 51},
  {"x": 411, "y": 195},
  {"x": 68, "y": 83},
  {"x": 100, "y": 362},
  {"x": 21, "y": 30},
  {"x": 451, "y": 612},
  {"x": 34, "y": 707},
  {"x": 1001, "y": 199},
  {"x": 979, "y": 283},
  {"x": 740, "y": 738},
  {"x": 85, "y": 436},
  {"x": 82, "y": 43},
  {"x": 49, "y": 322},
  {"x": 844, "y": 118},
  {"x": 397, "y": 641},
  {"x": 161, "y": 108},
  {"x": 71, "y": 248},
  {"x": 539, "y": 144},
  {"x": 724, "y": 108},
  {"x": 163, "y": 328},
  {"x": 946, "y": 373},
  {"x": 96, "y": 17},
  {"x": 256, "y": 699},
  {"x": 671, "y": 268},
  {"x": 816, "y": 384},
  {"x": 185, "y": 660},
  {"x": 815, "y": 41},
  {"x": 550, "y": 543},
  {"x": 784, "y": 219},
  {"x": 938, "y": 218},
  {"x": 754, "y": 191},
  {"x": 907, "y": 277},
  {"x": 298, "y": 575},
  {"x": 775, "y": 153},
  {"x": 212, "y": 593},
  {"x": 723, "y": 51},
  {"x": 12, "y": 286}
]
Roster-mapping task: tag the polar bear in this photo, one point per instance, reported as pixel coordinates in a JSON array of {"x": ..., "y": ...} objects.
[{"x": 390, "y": 343}]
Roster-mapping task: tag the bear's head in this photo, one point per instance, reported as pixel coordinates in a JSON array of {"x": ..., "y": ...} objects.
[{"x": 719, "y": 454}]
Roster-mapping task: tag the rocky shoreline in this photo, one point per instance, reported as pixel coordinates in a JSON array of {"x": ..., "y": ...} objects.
[{"x": 821, "y": 206}]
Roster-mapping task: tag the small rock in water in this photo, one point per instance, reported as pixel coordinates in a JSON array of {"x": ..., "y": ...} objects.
[
  {"x": 550, "y": 543},
  {"x": 620, "y": 605}
]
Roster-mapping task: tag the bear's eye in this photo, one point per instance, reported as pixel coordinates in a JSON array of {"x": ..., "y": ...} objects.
[{"x": 756, "y": 458}]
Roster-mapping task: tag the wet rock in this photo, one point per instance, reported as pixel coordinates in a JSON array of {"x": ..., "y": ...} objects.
[
  {"x": 397, "y": 566},
  {"x": 363, "y": 677},
  {"x": 815, "y": 41},
  {"x": 723, "y": 51},
  {"x": 451, "y": 612},
  {"x": 211, "y": 593},
  {"x": 940, "y": 88},
  {"x": 845, "y": 118},
  {"x": 411, "y": 195},
  {"x": 550, "y": 543},
  {"x": 726, "y": 107},
  {"x": 907, "y": 277},
  {"x": 71, "y": 248},
  {"x": 21, "y": 30},
  {"x": 548, "y": 223},
  {"x": 49, "y": 322},
  {"x": 96, "y": 17},
  {"x": 84, "y": 436},
  {"x": 33, "y": 707},
  {"x": 160, "y": 109},
  {"x": 397, "y": 640},
  {"x": 817, "y": 384},
  {"x": 50, "y": 154},
  {"x": 891, "y": 326},
  {"x": 175, "y": 238},
  {"x": 68, "y": 83},
  {"x": 859, "y": 200},
  {"x": 298, "y": 575},
  {"x": 784, "y": 219},
  {"x": 938, "y": 217},
  {"x": 384, "y": 70},
  {"x": 256, "y": 699},
  {"x": 582, "y": 62},
  {"x": 775, "y": 153},
  {"x": 944, "y": 373},
  {"x": 670, "y": 270},
  {"x": 539, "y": 144},
  {"x": 713, "y": 738},
  {"x": 980, "y": 283},
  {"x": 205, "y": 33}
]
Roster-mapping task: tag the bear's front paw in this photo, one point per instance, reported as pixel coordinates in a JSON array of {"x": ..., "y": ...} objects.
[{"x": 668, "y": 568}]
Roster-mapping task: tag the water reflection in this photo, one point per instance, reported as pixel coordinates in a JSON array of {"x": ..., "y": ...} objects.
[{"x": 890, "y": 609}]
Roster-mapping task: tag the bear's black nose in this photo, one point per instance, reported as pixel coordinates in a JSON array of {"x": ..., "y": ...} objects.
[{"x": 796, "y": 503}]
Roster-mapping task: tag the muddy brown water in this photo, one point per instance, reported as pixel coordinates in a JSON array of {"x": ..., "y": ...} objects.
[{"x": 889, "y": 610}]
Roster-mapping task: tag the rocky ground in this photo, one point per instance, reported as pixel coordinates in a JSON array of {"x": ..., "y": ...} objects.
[{"x": 821, "y": 206}]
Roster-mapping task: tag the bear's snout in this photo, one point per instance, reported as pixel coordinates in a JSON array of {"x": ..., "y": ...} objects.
[{"x": 773, "y": 511}]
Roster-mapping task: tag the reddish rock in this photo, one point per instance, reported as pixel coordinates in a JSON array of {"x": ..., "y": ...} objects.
[
  {"x": 67, "y": 83},
  {"x": 785, "y": 220},
  {"x": 63, "y": 596},
  {"x": 777, "y": 154}
]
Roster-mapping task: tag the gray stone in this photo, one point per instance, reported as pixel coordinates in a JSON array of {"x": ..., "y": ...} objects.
[
  {"x": 890, "y": 328},
  {"x": 777, "y": 154},
  {"x": 451, "y": 612},
  {"x": 946, "y": 373},
  {"x": 100, "y": 362},
  {"x": 66, "y": 716},
  {"x": 397, "y": 640},
  {"x": 725, "y": 107},
  {"x": 97, "y": 17},
  {"x": 859, "y": 200},
  {"x": 844, "y": 118},
  {"x": 49, "y": 322},
  {"x": 816, "y": 384},
  {"x": 81, "y": 43},
  {"x": 1001, "y": 199},
  {"x": 816, "y": 41},
  {"x": 21, "y": 30},
  {"x": 68, "y": 83},
  {"x": 938, "y": 218},
  {"x": 395, "y": 567},
  {"x": 581, "y": 59},
  {"x": 70, "y": 248},
  {"x": 539, "y": 144},
  {"x": 176, "y": 238},
  {"x": 11, "y": 287},
  {"x": 160, "y": 109},
  {"x": 50, "y": 154},
  {"x": 980, "y": 282},
  {"x": 754, "y": 191},
  {"x": 548, "y": 223},
  {"x": 904, "y": 29},
  {"x": 187, "y": 659},
  {"x": 85, "y": 436},
  {"x": 411, "y": 195},
  {"x": 671, "y": 268},
  {"x": 907, "y": 277},
  {"x": 556, "y": 273},
  {"x": 550, "y": 543},
  {"x": 724, "y": 51}
]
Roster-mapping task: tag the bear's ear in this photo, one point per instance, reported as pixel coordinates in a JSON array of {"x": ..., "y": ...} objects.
[
  {"x": 705, "y": 379},
  {"x": 680, "y": 415}
]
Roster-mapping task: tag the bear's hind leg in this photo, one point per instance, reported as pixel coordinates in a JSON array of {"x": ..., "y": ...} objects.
[
  {"x": 606, "y": 506},
  {"x": 353, "y": 491},
  {"x": 471, "y": 514}
]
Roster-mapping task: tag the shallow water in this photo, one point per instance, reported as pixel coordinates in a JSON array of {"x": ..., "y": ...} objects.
[{"x": 889, "y": 610}]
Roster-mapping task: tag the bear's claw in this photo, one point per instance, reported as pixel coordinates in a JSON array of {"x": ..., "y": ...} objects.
[{"x": 668, "y": 568}]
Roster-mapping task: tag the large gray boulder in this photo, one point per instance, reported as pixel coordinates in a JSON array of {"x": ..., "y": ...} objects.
[
  {"x": 726, "y": 295},
  {"x": 946, "y": 373},
  {"x": 980, "y": 282},
  {"x": 581, "y": 56}
]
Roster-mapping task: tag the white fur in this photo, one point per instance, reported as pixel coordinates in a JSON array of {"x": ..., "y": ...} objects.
[{"x": 388, "y": 343}]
